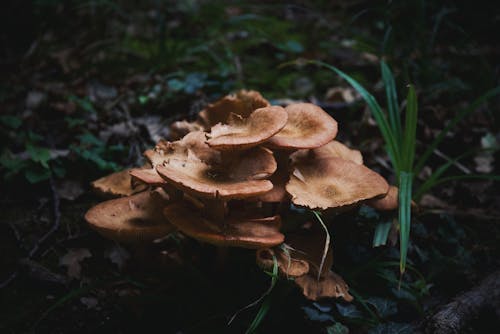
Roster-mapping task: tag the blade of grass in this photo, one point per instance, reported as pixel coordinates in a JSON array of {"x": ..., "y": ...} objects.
[
  {"x": 327, "y": 243},
  {"x": 461, "y": 115},
  {"x": 405, "y": 185},
  {"x": 381, "y": 233},
  {"x": 377, "y": 112},
  {"x": 266, "y": 304},
  {"x": 392, "y": 100},
  {"x": 409, "y": 140}
]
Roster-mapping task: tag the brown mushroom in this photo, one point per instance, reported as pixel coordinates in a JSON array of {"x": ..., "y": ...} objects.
[
  {"x": 388, "y": 202},
  {"x": 308, "y": 126},
  {"x": 333, "y": 149},
  {"x": 288, "y": 266},
  {"x": 239, "y": 176},
  {"x": 181, "y": 128},
  {"x": 333, "y": 183},
  {"x": 331, "y": 285},
  {"x": 133, "y": 219},
  {"x": 240, "y": 133},
  {"x": 242, "y": 103},
  {"x": 245, "y": 232},
  {"x": 116, "y": 185}
]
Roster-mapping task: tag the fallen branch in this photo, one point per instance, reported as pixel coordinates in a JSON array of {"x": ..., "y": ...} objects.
[{"x": 453, "y": 317}]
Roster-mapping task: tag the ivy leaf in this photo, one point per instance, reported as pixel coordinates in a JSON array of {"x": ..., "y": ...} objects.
[
  {"x": 349, "y": 311},
  {"x": 392, "y": 328},
  {"x": 384, "y": 307},
  {"x": 39, "y": 154},
  {"x": 337, "y": 328},
  {"x": 12, "y": 122}
]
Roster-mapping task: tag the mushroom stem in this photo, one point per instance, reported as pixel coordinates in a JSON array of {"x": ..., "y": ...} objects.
[
  {"x": 221, "y": 258},
  {"x": 215, "y": 209},
  {"x": 173, "y": 193}
]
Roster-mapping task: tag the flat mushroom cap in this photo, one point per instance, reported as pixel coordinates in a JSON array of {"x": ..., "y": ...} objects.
[
  {"x": 148, "y": 176},
  {"x": 134, "y": 219},
  {"x": 181, "y": 128},
  {"x": 335, "y": 149},
  {"x": 116, "y": 185},
  {"x": 308, "y": 126},
  {"x": 389, "y": 202},
  {"x": 332, "y": 285},
  {"x": 239, "y": 176},
  {"x": 240, "y": 133},
  {"x": 333, "y": 183},
  {"x": 253, "y": 233},
  {"x": 242, "y": 103},
  {"x": 288, "y": 266}
]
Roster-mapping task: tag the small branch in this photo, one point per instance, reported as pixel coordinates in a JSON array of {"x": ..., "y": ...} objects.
[{"x": 453, "y": 317}]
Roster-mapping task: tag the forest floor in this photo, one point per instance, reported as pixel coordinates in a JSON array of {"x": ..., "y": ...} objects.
[{"x": 88, "y": 86}]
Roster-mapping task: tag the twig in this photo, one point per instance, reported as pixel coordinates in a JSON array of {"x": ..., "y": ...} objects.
[{"x": 456, "y": 163}]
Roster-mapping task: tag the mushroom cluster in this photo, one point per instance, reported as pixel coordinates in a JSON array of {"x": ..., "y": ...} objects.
[{"x": 227, "y": 178}]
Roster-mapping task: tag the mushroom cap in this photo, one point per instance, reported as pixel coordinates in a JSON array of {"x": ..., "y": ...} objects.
[
  {"x": 133, "y": 219},
  {"x": 332, "y": 285},
  {"x": 389, "y": 202},
  {"x": 240, "y": 133},
  {"x": 116, "y": 185},
  {"x": 333, "y": 183},
  {"x": 308, "y": 126},
  {"x": 148, "y": 176},
  {"x": 336, "y": 149},
  {"x": 181, "y": 128},
  {"x": 245, "y": 232},
  {"x": 193, "y": 144},
  {"x": 278, "y": 194},
  {"x": 288, "y": 266},
  {"x": 242, "y": 103},
  {"x": 239, "y": 176}
]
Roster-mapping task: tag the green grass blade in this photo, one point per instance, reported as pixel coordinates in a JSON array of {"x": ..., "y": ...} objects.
[
  {"x": 409, "y": 139},
  {"x": 433, "y": 179},
  {"x": 461, "y": 115},
  {"x": 405, "y": 185},
  {"x": 266, "y": 304},
  {"x": 381, "y": 234},
  {"x": 377, "y": 112},
  {"x": 392, "y": 100}
]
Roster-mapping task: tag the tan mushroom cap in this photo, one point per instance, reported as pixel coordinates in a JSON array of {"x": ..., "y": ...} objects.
[
  {"x": 288, "y": 266},
  {"x": 242, "y": 103},
  {"x": 116, "y": 185},
  {"x": 389, "y": 202},
  {"x": 336, "y": 149},
  {"x": 332, "y": 285},
  {"x": 239, "y": 176},
  {"x": 242, "y": 232},
  {"x": 308, "y": 126},
  {"x": 148, "y": 176},
  {"x": 193, "y": 144},
  {"x": 333, "y": 183},
  {"x": 134, "y": 219},
  {"x": 240, "y": 133},
  {"x": 181, "y": 128}
]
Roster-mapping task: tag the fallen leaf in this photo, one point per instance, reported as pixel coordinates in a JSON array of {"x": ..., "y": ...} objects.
[
  {"x": 117, "y": 255},
  {"x": 72, "y": 261},
  {"x": 90, "y": 302}
]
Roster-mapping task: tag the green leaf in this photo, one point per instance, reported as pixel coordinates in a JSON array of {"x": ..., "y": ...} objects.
[
  {"x": 377, "y": 112},
  {"x": 381, "y": 233},
  {"x": 11, "y": 121},
  {"x": 392, "y": 100},
  {"x": 385, "y": 307},
  {"x": 37, "y": 174},
  {"x": 410, "y": 133},
  {"x": 337, "y": 328},
  {"x": 39, "y": 154},
  {"x": 405, "y": 189}
]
